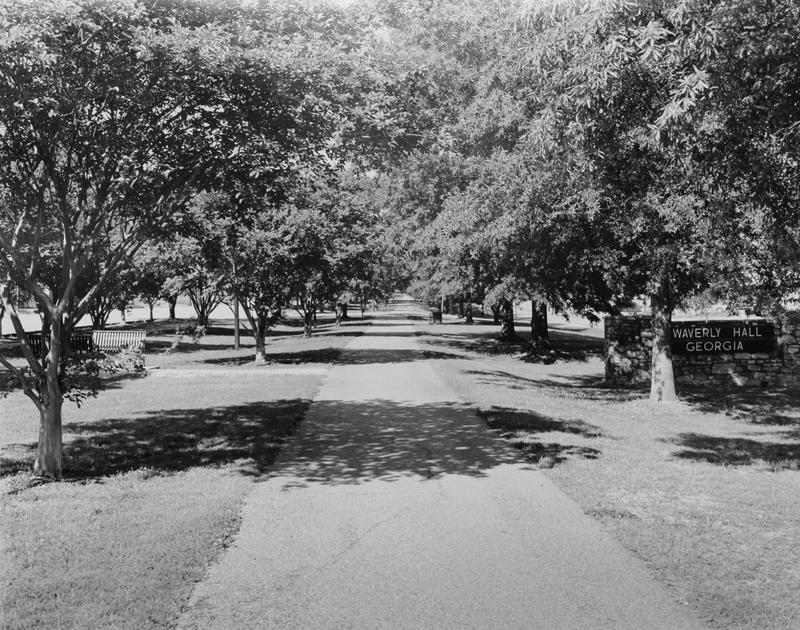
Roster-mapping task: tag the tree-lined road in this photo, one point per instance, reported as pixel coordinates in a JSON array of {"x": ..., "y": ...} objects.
[{"x": 395, "y": 508}]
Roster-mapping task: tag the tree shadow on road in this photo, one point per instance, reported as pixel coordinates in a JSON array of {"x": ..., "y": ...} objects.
[
  {"x": 342, "y": 443},
  {"x": 387, "y": 355},
  {"x": 348, "y": 443},
  {"x": 336, "y": 356}
]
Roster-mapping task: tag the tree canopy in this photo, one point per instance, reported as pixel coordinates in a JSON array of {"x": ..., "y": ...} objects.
[{"x": 575, "y": 154}]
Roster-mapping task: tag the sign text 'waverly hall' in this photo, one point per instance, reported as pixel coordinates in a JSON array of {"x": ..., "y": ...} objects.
[{"x": 722, "y": 336}]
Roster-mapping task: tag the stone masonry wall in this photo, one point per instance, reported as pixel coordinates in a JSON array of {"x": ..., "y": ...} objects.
[{"x": 628, "y": 342}]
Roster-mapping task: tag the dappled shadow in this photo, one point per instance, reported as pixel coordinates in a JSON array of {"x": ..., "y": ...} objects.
[
  {"x": 334, "y": 355},
  {"x": 339, "y": 332},
  {"x": 727, "y": 451},
  {"x": 780, "y": 407},
  {"x": 355, "y": 442},
  {"x": 515, "y": 420},
  {"x": 564, "y": 345},
  {"x": 387, "y": 355},
  {"x": 232, "y": 361},
  {"x": 568, "y": 346},
  {"x": 522, "y": 429},
  {"x": 341, "y": 442},
  {"x": 591, "y": 387},
  {"x": 174, "y": 440},
  {"x": 319, "y": 355},
  {"x": 337, "y": 356},
  {"x": 393, "y": 335},
  {"x": 480, "y": 343},
  {"x": 396, "y": 319}
]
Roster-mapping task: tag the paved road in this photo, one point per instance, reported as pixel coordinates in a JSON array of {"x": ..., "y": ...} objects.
[{"x": 393, "y": 508}]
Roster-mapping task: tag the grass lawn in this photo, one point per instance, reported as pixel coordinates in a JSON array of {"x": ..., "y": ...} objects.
[
  {"x": 156, "y": 470},
  {"x": 705, "y": 491}
]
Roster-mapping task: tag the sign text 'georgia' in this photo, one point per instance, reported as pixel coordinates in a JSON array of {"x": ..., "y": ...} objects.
[{"x": 722, "y": 336}]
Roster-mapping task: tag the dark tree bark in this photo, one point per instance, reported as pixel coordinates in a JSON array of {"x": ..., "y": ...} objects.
[
  {"x": 508, "y": 331},
  {"x": 172, "y": 302},
  {"x": 309, "y": 321},
  {"x": 48, "y": 460},
  {"x": 496, "y": 313},
  {"x": 662, "y": 374},
  {"x": 540, "y": 335},
  {"x": 469, "y": 319}
]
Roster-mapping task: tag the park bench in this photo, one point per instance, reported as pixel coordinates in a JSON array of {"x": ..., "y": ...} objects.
[
  {"x": 102, "y": 340},
  {"x": 113, "y": 340}
]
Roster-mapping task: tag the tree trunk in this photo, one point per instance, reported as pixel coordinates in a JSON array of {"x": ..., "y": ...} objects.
[
  {"x": 259, "y": 333},
  {"x": 662, "y": 375},
  {"x": 261, "y": 353},
  {"x": 496, "y": 313},
  {"x": 308, "y": 323},
  {"x": 48, "y": 452},
  {"x": 99, "y": 314},
  {"x": 344, "y": 315},
  {"x": 172, "y": 302},
  {"x": 258, "y": 327},
  {"x": 468, "y": 314},
  {"x": 507, "y": 330},
  {"x": 150, "y": 304},
  {"x": 540, "y": 336},
  {"x": 122, "y": 315}
]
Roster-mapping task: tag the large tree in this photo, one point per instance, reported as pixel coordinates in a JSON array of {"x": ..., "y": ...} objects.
[
  {"x": 695, "y": 146},
  {"x": 95, "y": 132},
  {"x": 111, "y": 114}
]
